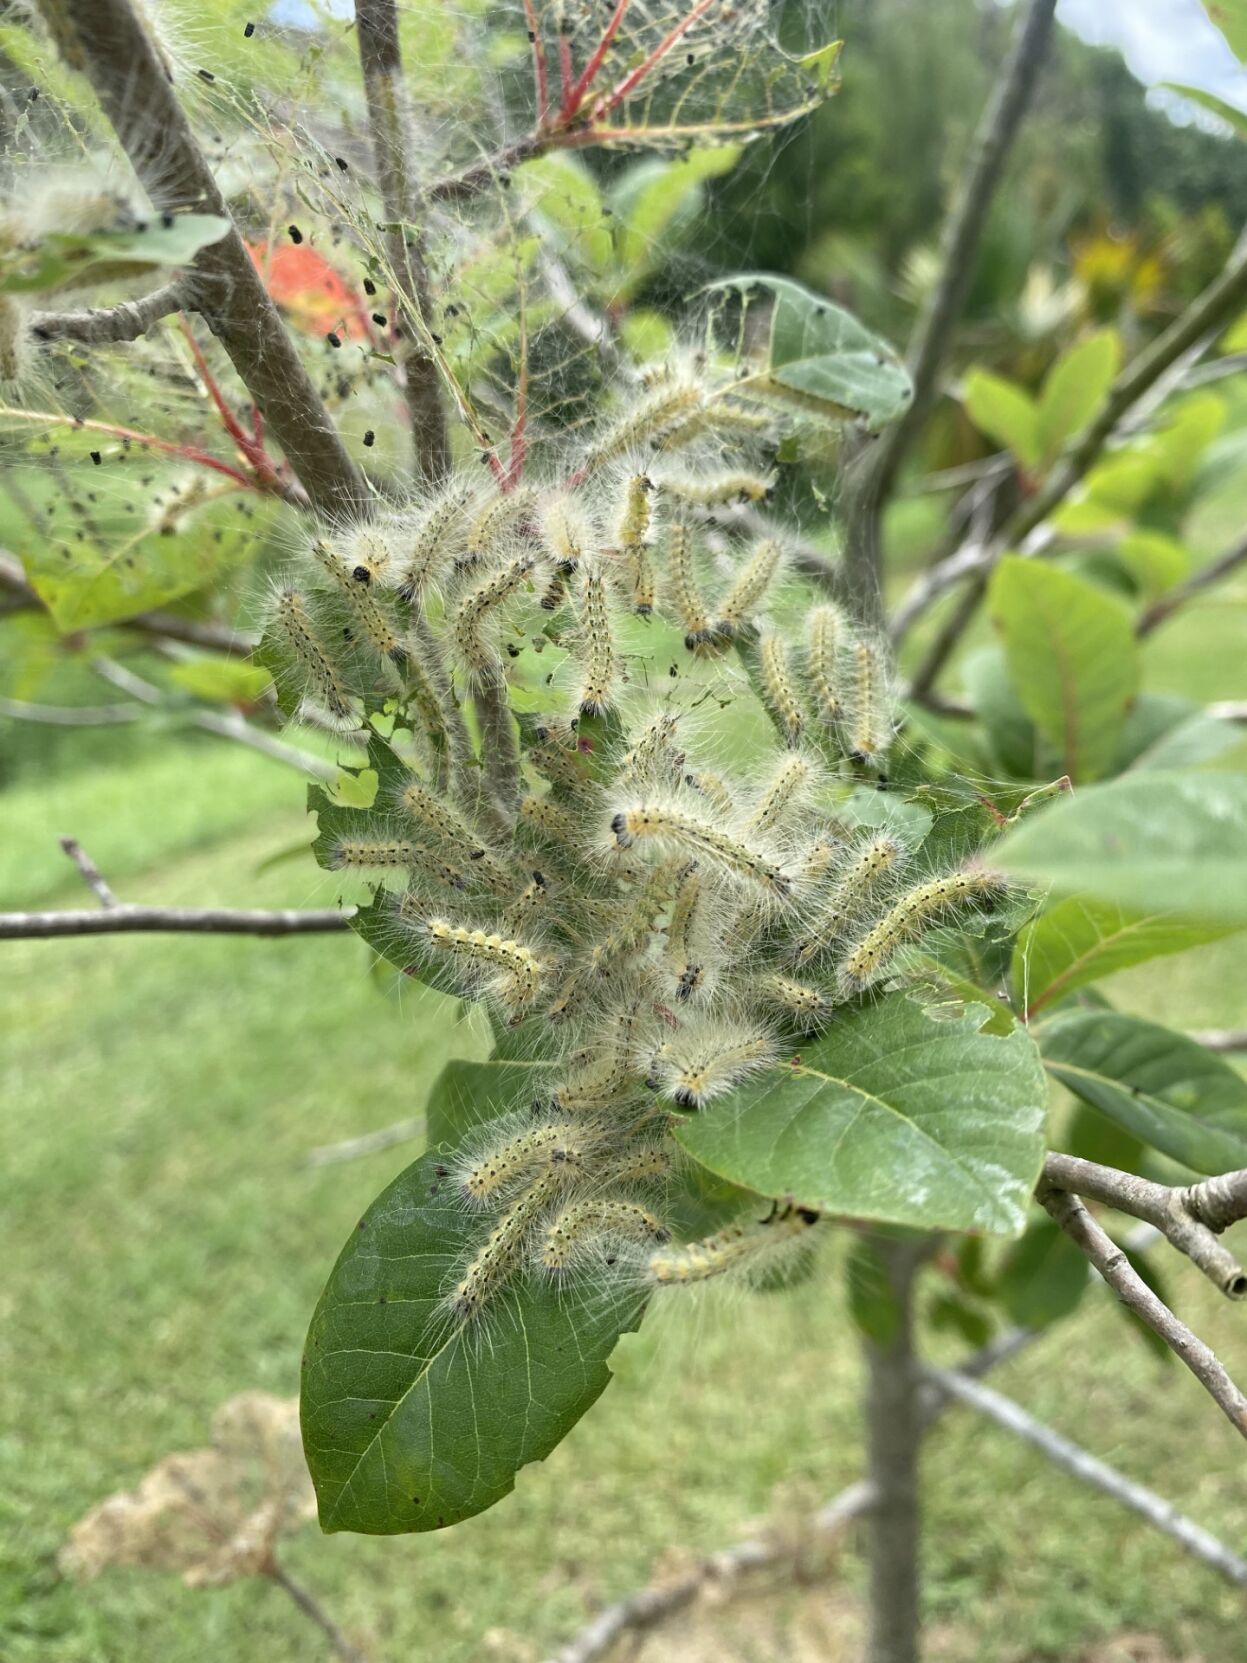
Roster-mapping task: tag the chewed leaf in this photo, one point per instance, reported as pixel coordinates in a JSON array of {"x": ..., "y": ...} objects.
[
  {"x": 814, "y": 357},
  {"x": 413, "y": 1420},
  {"x": 895, "y": 1114},
  {"x": 65, "y": 260}
]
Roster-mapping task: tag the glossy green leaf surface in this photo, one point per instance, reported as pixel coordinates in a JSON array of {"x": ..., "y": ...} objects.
[
  {"x": 1074, "y": 390},
  {"x": 898, "y": 1114},
  {"x": 1043, "y": 1277}
]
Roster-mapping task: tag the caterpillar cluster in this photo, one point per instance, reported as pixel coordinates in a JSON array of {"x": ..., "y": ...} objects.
[{"x": 670, "y": 927}]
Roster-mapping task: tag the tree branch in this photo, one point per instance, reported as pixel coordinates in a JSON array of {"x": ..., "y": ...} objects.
[
  {"x": 1073, "y": 1459},
  {"x": 126, "y": 919},
  {"x": 69, "y": 715},
  {"x": 876, "y": 468},
  {"x": 105, "y": 40},
  {"x": 380, "y": 58},
  {"x": 91, "y": 874},
  {"x": 124, "y": 322},
  {"x": 315, "y": 1611},
  {"x": 1222, "y": 1039},
  {"x": 1172, "y": 1212},
  {"x": 1133, "y": 1291},
  {"x": 1167, "y": 605}
]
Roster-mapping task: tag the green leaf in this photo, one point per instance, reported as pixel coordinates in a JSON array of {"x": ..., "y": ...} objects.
[
  {"x": 1015, "y": 745},
  {"x": 1072, "y": 659},
  {"x": 898, "y": 1113},
  {"x": 72, "y": 260},
  {"x": 223, "y": 680},
  {"x": 1156, "y": 1084},
  {"x": 412, "y": 1421},
  {"x": 1078, "y": 941},
  {"x": 1234, "y": 118},
  {"x": 655, "y": 201},
  {"x": 1197, "y": 737},
  {"x": 953, "y": 1313},
  {"x": 1074, "y": 391},
  {"x": 1230, "y": 16},
  {"x": 567, "y": 195},
  {"x": 815, "y": 357},
  {"x": 1043, "y": 1277},
  {"x": 1146, "y": 840},
  {"x": 1155, "y": 562},
  {"x": 872, "y": 1300},
  {"x": 1005, "y": 412}
]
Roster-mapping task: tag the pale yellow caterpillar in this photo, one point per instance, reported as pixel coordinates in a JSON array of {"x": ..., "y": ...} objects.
[
  {"x": 436, "y": 815},
  {"x": 368, "y": 613},
  {"x": 379, "y": 854},
  {"x": 653, "y": 758},
  {"x": 530, "y": 901},
  {"x": 880, "y": 856},
  {"x": 577, "y": 1226},
  {"x": 720, "y": 489},
  {"x": 492, "y": 525},
  {"x": 295, "y": 624},
  {"x": 652, "y": 416},
  {"x": 492, "y": 1174},
  {"x": 635, "y": 520},
  {"x": 523, "y": 970},
  {"x": 601, "y": 661},
  {"x": 779, "y": 687},
  {"x": 476, "y": 605},
  {"x": 503, "y": 1251},
  {"x": 714, "y": 789},
  {"x": 915, "y": 911},
  {"x": 803, "y": 1001},
  {"x": 752, "y": 581},
  {"x": 553, "y": 822},
  {"x": 870, "y": 707},
  {"x": 708, "y": 1058},
  {"x": 647, "y": 1165},
  {"x": 681, "y": 830},
  {"x": 825, "y": 632},
  {"x": 786, "y": 786},
  {"x": 366, "y": 555},
  {"x": 739, "y": 1247},
  {"x": 438, "y": 543},
  {"x": 685, "y": 597},
  {"x": 821, "y": 856}
]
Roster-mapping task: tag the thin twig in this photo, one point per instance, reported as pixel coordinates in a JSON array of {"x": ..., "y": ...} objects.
[
  {"x": 1221, "y": 1039},
  {"x": 1169, "y": 1209},
  {"x": 1081, "y": 1464},
  {"x": 1217, "y": 1202},
  {"x": 1133, "y": 1291},
  {"x": 108, "y": 43},
  {"x": 1205, "y": 578},
  {"x": 125, "y": 321},
  {"x": 70, "y": 715},
  {"x": 125, "y": 919},
  {"x": 311, "y": 1607},
  {"x": 91, "y": 874},
  {"x": 380, "y": 57},
  {"x": 350, "y": 1149}
]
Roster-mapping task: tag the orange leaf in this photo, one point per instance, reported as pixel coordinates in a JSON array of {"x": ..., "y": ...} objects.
[{"x": 315, "y": 296}]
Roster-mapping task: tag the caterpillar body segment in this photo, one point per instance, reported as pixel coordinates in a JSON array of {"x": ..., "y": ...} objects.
[
  {"x": 555, "y": 824},
  {"x": 780, "y": 688},
  {"x": 503, "y": 1251},
  {"x": 494, "y": 1172},
  {"x": 658, "y": 412},
  {"x": 707, "y": 1058},
  {"x": 868, "y": 716},
  {"x": 530, "y": 903},
  {"x": 715, "y": 790},
  {"x": 294, "y": 623},
  {"x": 683, "y": 593},
  {"x": 437, "y": 546},
  {"x": 688, "y": 832},
  {"x": 366, "y": 555},
  {"x": 429, "y": 810},
  {"x": 519, "y": 971},
  {"x": 601, "y": 661},
  {"x": 788, "y": 785},
  {"x": 826, "y": 633},
  {"x": 633, "y": 538},
  {"x": 650, "y": 1164},
  {"x": 821, "y": 856},
  {"x": 742, "y": 600},
  {"x": 917, "y": 910},
  {"x": 719, "y": 490},
  {"x": 477, "y": 605},
  {"x": 586, "y": 1225},
  {"x": 862, "y": 874},
  {"x": 808, "y": 1004},
  {"x": 654, "y": 759},
  {"x": 368, "y": 615},
  {"x": 493, "y": 527},
  {"x": 742, "y": 1247},
  {"x": 393, "y": 854}
]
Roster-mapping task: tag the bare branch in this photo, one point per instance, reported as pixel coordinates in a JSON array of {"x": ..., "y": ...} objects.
[
  {"x": 91, "y": 874},
  {"x": 490, "y": 170},
  {"x": 1073, "y": 1459},
  {"x": 380, "y": 57},
  {"x": 106, "y": 41},
  {"x": 1168, "y": 604},
  {"x": 1222, "y": 1039},
  {"x": 1170, "y": 1210},
  {"x": 1133, "y": 1291},
  {"x": 69, "y": 715},
  {"x": 126, "y": 919},
  {"x": 124, "y": 322},
  {"x": 311, "y": 1607},
  {"x": 876, "y": 468},
  {"x": 350, "y": 1149},
  {"x": 1217, "y": 1202}
]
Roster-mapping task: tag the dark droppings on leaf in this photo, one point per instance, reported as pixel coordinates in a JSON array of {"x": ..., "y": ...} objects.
[
  {"x": 248, "y": 31},
  {"x": 296, "y": 236},
  {"x": 370, "y": 439}
]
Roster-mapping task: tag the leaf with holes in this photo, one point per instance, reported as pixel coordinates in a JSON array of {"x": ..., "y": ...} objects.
[
  {"x": 412, "y": 1420},
  {"x": 899, "y": 1113},
  {"x": 1072, "y": 659},
  {"x": 1158, "y": 1085},
  {"x": 1078, "y": 941},
  {"x": 814, "y": 357}
]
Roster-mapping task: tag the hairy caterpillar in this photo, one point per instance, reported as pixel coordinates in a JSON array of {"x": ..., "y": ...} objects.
[
  {"x": 808, "y": 1003},
  {"x": 652, "y": 417},
  {"x": 870, "y": 708},
  {"x": 438, "y": 543},
  {"x": 708, "y": 1058},
  {"x": 786, "y": 786},
  {"x": 503, "y": 1251},
  {"x": 740, "y": 1246},
  {"x": 681, "y": 830},
  {"x": 476, "y": 605},
  {"x": 601, "y": 661},
  {"x": 719, "y": 489},
  {"x": 714, "y": 789},
  {"x": 553, "y": 822},
  {"x": 431, "y": 810},
  {"x": 915, "y": 911},
  {"x": 879, "y": 857},
  {"x": 779, "y": 688},
  {"x": 755, "y": 577},
  {"x": 492, "y": 1174},
  {"x": 578, "y": 1225},
  {"x": 825, "y": 631},
  {"x": 653, "y": 758},
  {"x": 633, "y": 534},
  {"x": 495, "y": 522},
  {"x": 295, "y": 624},
  {"x": 686, "y": 600},
  {"x": 369, "y": 615},
  {"x": 522, "y": 969}
]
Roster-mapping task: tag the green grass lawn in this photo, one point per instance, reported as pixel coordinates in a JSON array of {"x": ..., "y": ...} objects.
[{"x": 164, "y": 1242}]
